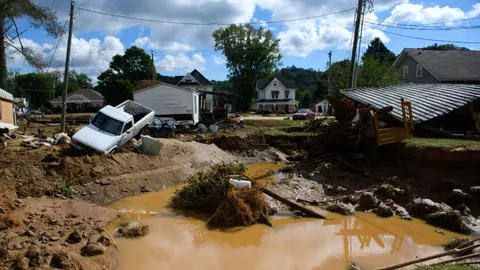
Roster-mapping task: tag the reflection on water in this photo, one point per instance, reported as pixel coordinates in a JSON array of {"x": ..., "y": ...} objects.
[
  {"x": 265, "y": 171},
  {"x": 177, "y": 242}
]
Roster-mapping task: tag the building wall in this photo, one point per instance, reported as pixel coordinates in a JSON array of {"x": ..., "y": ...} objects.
[
  {"x": 166, "y": 100},
  {"x": 427, "y": 77},
  {"x": 6, "y": 111}
]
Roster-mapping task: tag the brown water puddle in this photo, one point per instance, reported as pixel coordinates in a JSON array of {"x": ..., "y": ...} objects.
[
  {"x": 266, "y": 171},
  {"x": 177, "y": 242}
]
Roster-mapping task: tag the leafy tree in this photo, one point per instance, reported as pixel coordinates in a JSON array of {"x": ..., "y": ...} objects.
[
  {"x": 37, "y": 87},
  {"x": 445, "y": 47},
  {"x": 306, "y": 100},
  {"x": 373, "y": 72},
  {"x": 376, "y": 49},
  {"x": 251, "y": 54},
  {"x": 76, "y": 81},
  {"x": 321, "y": 91},
  {"x": 10, "y": 35},
  {"x": 338, "y": 72},
  {"x": 117, "y": 83}
]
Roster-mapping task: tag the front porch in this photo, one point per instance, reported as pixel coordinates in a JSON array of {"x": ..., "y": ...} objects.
[{"x": 278, "y": 107}]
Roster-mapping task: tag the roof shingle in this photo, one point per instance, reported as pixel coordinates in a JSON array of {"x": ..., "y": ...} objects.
[{"x": 287, "y": 82}]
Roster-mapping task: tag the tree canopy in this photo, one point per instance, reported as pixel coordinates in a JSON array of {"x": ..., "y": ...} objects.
[
  {"x": 251, "y": 53},
  {"x": 37, "y": 87},
  {"x": 38, "y": 16},
  {"x": 117, "y": 83},
  {"x": 76, "y": 81},
  {"x": 445, "y": 47},
  {"x": 376, "y": 49}
]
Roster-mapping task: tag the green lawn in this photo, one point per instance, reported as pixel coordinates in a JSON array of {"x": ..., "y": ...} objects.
[{"x": 442, "y": 143}]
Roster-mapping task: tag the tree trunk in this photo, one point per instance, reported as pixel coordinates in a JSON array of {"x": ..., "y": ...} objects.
[{"x": 3, "y": 57}]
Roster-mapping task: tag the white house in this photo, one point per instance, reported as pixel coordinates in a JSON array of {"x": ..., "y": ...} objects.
[
  {"x": 197, "y": 82},
  {"x": 169, "y": 100},
  {"x": 276, "y": 95},
  {"x": 321, "y": 106}
]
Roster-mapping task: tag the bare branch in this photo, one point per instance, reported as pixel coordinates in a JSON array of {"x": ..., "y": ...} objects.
[
  {"x": 32, "y": 58},
  {"x": 18, "y": 34}
]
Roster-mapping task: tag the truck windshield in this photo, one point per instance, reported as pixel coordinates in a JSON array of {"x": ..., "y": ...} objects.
[{"x": 107, "y": 124}]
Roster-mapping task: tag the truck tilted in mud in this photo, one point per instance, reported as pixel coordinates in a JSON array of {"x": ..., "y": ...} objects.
[{"x": 111, "y": 127}]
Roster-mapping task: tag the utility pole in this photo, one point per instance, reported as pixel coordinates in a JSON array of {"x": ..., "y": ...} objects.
[
  {"x": 355, "y": 43},
  {"x": 154, "y": 74},
  {"x": 329, "y": 71},
  {"x": 67, "y": 66}
]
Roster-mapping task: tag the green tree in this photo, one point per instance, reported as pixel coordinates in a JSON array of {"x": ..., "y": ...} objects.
[
  {"x": 306, "y": 100},
  {"x": 76, "y": 81},
  {"x": 320, "y": 92},
  {"x": 445, "y": 47},
  {"x": 376, "y": 49},
  {"x": 338, "y": 72},
  {"x": 373, "y": 72},
  {"x": 37, "y": 87},
  {"x": 117, "y": 83},
  {"x": 10, "y": 35},
  {"x": 251, "y": 53}
]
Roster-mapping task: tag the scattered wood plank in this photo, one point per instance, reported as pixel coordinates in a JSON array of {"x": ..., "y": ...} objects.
[{"x": 293, "y": 205}]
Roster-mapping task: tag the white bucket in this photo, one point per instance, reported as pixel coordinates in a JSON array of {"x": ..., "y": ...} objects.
[
  {"x": 240, "y": 183},
  {"x": 213, "y": 128}
]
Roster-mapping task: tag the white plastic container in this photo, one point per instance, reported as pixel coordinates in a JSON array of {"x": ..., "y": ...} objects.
[
  {"x": 213, "y": 128},
  {"x": 240, "y": 183}
]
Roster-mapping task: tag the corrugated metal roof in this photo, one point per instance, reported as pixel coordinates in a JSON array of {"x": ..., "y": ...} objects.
[
  {"x": 5, "y": 95},
  {"x": 428, "y": 100}
]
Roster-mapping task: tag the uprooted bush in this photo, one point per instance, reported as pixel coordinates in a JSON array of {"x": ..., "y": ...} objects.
[{"x": 209, "y": 192}]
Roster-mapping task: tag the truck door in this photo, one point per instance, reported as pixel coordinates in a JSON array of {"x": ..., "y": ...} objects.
[{"x": 127, "y": 133}]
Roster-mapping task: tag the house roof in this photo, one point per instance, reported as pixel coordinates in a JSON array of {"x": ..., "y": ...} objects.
[
  {"x": 145, "y": 83},
  {"x": 89, "y": 94},
  {"x": 5, "y": 95},
  {"x": 165, "y": 84},
  {"x": 446, "y": 66},
  {"x": 428, "y": 100},
  {"x": 200, "y": 78},
  {"x": 287, "y": 82}
]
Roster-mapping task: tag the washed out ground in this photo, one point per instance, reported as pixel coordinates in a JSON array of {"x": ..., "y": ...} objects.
[{"x": 70, "y": 188}]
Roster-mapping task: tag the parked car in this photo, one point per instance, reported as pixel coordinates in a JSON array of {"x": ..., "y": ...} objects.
[
  {"x": 111, "y": 127},
  {"x": 160, "y": 128},
  {"x": 303, "y": 114}
]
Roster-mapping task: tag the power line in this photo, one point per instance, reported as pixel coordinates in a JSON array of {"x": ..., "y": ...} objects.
[
  {"x": 429, "y": 39},
  {"x": 212, "y": 23},
  {"x": 428, "y": 24},
  {"x": 470, "y": 27},
  {"x": 58, "y": 42}
]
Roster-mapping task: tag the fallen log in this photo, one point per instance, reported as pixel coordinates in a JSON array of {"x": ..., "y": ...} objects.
[
  {"x": 293, "y": 205},
  {"x": 467, "y": 246}
]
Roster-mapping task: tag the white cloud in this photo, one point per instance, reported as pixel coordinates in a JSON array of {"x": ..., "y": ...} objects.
[
  {"x": 219, "y": 60},
  {"x": 408, "y": 12},
  {"x": 181, "y": 61},
  {"x": 475, "y": 11},
  {"x": 140, "y": 42}
]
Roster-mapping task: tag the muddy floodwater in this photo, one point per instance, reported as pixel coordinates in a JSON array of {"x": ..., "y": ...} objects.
[{"x": 179, "y": 242}]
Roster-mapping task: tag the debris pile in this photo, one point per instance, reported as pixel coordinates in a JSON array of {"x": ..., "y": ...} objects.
[
  {"x": 6, "y": 134},
  {"x": 40, "y": 139},
  {"x": 210, "y": 192}
]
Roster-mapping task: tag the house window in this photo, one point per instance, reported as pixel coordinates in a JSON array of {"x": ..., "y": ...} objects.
[
  {"x": 275, "y": 94},
  {"x": 405, "y": 72},
  {"x": 274, "y": 84},
  {"x": 419, "y": 70},
  {"x": 188, "y": 80},
  {"x": 287, "y": 93}
]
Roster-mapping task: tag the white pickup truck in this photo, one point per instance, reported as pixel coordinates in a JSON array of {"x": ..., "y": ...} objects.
[{"x": 111, "y": 127}]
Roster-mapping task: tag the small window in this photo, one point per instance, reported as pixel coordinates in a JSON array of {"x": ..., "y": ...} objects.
[
  {"x": 188, "y": 80},
  {"x": 405, "y": 72},
  {"x": 127, "y": 127},
  {"x": 195, "y": 100},
  {"x": 275, "y": 94},
  {"x": 274, "y": 84},
  {"x": 419, "y": 70},
  {"x": 287, "y": 93}
]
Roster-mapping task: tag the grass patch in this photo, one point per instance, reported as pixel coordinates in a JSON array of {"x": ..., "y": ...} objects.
[
  {"x": 442, "y": 143},
  {"x": 279, "y": 132},
  {"x": 274, "y": 123},
  {"x": 446, "y": 267}
]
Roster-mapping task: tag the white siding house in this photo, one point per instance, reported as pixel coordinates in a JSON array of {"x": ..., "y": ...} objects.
[
  {"x": 197, "y": 82},
  {"x": 276, "y": 95},
  {"x": 170, "y": 100}
]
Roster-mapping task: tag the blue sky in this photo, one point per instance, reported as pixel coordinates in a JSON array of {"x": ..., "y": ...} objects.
[{"x": 180, "y": 48}]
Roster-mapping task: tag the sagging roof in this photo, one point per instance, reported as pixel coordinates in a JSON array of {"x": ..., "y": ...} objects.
[
  {"x": 446, "y": 66},
  {"x": 287, "y": 82},
  {"x": 428, "y": 100},
  {"x": 5, "y": 95}
]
